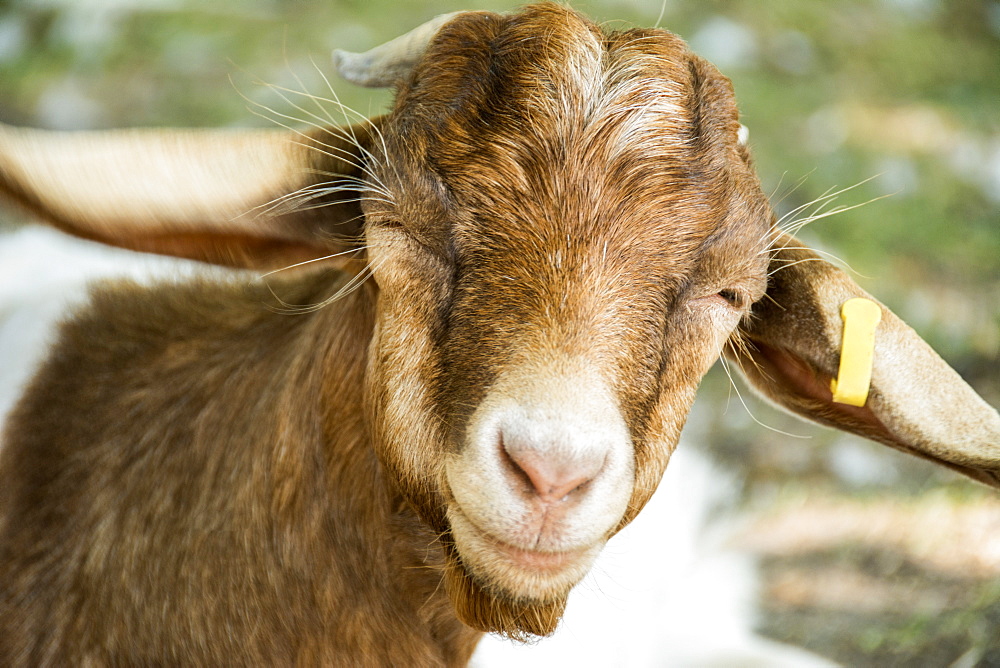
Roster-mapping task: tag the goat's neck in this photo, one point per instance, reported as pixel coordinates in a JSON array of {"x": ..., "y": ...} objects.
[{"x": 240, "y": 451}]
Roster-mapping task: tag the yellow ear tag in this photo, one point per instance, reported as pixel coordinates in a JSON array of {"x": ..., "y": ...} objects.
[{"x": 861, "y": 317}]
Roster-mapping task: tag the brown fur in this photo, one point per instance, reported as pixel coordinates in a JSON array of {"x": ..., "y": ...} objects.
[
  {"x": 162, "y": 566},
  {"x": 192, "y": 478}
]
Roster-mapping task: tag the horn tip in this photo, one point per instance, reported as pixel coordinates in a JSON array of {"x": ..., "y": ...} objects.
[{"x": 353, "y": 67}]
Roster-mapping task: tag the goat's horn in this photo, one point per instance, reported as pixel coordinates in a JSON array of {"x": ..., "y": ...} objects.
[{"x": 386, "y": 64}]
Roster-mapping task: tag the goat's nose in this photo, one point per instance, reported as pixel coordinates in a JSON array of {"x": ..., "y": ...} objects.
[{"x": 555, "y": 473}]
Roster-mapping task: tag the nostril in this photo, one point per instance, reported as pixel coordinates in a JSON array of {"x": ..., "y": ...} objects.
[{"x": 554, "y": 475}]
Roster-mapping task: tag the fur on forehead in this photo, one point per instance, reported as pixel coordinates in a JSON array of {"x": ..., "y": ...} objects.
[{"x": 544, "y": 107}]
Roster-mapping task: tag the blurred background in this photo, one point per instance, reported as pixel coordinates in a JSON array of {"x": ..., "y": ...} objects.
[{"x": 866, "y": 556}]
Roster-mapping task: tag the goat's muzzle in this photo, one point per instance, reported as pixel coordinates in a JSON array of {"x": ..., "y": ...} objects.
[{"x": 543, "y": 479}]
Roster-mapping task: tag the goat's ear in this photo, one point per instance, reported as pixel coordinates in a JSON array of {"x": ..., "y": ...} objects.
[
  {"x": 238, "y": 198},
  {"x": 790, "y": 349}
]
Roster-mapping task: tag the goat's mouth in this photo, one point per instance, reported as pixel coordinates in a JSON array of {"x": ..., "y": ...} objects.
[{"x": 528, "y": 575}]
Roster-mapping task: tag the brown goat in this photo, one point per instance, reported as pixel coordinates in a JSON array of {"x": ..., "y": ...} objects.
[{"x": 564, "y": 232}]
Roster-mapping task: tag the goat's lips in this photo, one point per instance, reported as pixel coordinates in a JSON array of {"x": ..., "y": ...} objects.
[
  {"x": 529, "y": 574},
  {"x": 536, "y": 560}
]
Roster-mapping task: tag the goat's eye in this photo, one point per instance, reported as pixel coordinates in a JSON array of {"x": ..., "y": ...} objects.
[
  {"x": 732, "y": 297},
  {"x": 385, "y": 222}
]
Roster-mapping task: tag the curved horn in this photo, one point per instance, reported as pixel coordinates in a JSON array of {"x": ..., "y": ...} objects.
[{"x": 388, "y": 63}]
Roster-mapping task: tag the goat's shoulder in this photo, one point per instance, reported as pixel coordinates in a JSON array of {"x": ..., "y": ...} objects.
[
  {"x": 151, "y": 401},
  {"x": 131, "y": 376},
  {"x": 167, "y": 360}
]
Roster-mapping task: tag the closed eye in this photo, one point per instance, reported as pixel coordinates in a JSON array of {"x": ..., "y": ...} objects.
[{"x": 732, "y": 297}]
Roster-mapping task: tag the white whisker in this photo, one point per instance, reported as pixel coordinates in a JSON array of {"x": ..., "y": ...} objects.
[
  {"x": 739, "y": 395},
  {"x": 305, "y": 262}
]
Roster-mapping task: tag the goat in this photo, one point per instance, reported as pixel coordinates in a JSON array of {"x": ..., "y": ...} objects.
[{"x": 564, "y": 232}]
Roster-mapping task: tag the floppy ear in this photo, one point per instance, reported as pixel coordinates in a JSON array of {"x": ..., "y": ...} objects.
[
  {"x": 917, "y": 403},
  {"x": 237, "y": 198}
]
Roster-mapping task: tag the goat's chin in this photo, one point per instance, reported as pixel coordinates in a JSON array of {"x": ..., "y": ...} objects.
[
  {"x": 519, "y": 576},
  {"x": 498, "y": 588}
]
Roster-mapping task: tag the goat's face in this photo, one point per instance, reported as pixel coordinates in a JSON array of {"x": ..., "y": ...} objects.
[
  {"x": 573, "y": 235},
  {"x": 565, "y": 231}
]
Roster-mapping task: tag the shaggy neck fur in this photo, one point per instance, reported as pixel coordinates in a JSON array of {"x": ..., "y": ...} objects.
[{"x": 264, "y": 405}]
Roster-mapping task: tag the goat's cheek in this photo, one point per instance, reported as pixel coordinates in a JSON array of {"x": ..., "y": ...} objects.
[
  {"x": 693, "y": 346},
  {"x": 402, "y": 368},
  {"x": 653, "y": 451}
]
